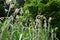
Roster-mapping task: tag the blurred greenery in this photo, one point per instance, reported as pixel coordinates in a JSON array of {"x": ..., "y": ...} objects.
[{"x": 29, "y": 11}]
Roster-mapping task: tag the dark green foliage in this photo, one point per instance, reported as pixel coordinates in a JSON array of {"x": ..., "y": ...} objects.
[
  {"x": 2, "y": 1},
  {"x": 45, "y": 7},
  {"x": 45, "y": 1},
  {"x": 2, "y": 12}
]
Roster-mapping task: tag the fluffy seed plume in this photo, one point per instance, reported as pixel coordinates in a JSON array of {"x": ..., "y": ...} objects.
[
  {"x": 11, "y": 6},
  {"x": 44, "y": 17},
  {"x": 16, "y": 10},
  {"x": 56, "y": 28},
  {"x": 49, "y": 20}
]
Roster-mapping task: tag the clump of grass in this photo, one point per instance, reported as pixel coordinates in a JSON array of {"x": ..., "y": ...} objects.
[
  {"x": 35, "y": 31},
  {"x": 24, "y": 28}
]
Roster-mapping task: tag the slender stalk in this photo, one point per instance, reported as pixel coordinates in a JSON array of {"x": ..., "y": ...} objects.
[{"x": 52, "y": 35}]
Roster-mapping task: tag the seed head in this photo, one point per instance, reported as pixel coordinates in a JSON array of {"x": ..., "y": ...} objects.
[
  {"x": 56, "y": 28},
  {"x": 41, "y": 16},
  {"x": 8, "y": 1},
  {"x": 44, "y": 17},
  {"x": 45, "y": 23},
  {"x": 17, "y": 17},
  {"x": 50, "y": 18},
  {"x": 11, "y": 6},
  {"x": 52, "y": 30},
  {"x": 16, "y": 10},
  {"x": 38, "y": 17}
]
